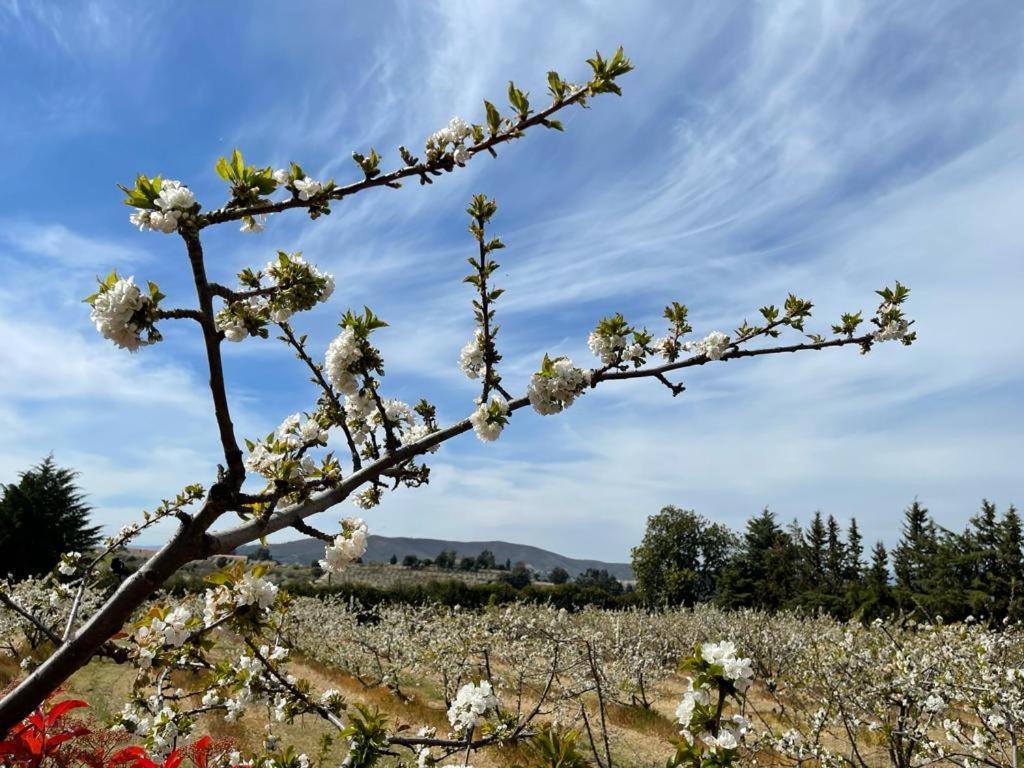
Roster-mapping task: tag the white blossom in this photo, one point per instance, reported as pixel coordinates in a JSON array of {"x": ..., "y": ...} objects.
[
  {"x": 552, "y": 391},
  {"x": 488, "y": 419},
  {"x": 254, "y": 223},
  {"x": 348, "y": 546},
  {"x": 606, "y": 347},
  {"x": 113, "y": 309},
  {"x": 308, "y": 188},
  {"x": 471, "y": 704},
  {"x": 174, "y": 196},
  {"x": 255, "y": 590},
  {"x": 344, "y": 352},
  {"x": 471, "y": 358},
  {"x": 713, "y": 346}
]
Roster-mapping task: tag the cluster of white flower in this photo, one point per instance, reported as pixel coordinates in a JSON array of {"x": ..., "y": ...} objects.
[
  {"x": 174, "y": 202},
  {"x": 471, "y": 359},
  {"x": 735, "y": 669},
  {"x": 893, "y": 330},
  {"x": 556, "y": 386},
  {"x": 714, "y": 730},
  {"x": 455, "y": 133},
  {"x": 255, "y": 590},
  {"x": 116, "y": 313},
  {"x": 163, "y": 732},
  {"x": 291, "y": 275},
  {"x": 299, "y": 286},
  {"x": 275, "y": 459},
  {"x": 249, "y": 590},
  {"x": 307, "y": 187},
  {"x": 342, "y": 361},
  {"x": 367, "y": 499},
  {"x": 296, "y": 433},
  {"x": 471, "y": 704},
  {"x": 359, "y": 411},
  {"x": 489, "y": 419},
  {"x": 667, "y": 346},
  {"x": 69, "y": 562},
  {"x": 606, "y": 347},
  {"x": 264, "y": 460},
  {"x": 713, "y": 346},
  {"x": 416, "y": 433},
  {"x": 348, "y": 546},
  {"x": 231, "y": 320},
  {"x": 170, "y": 631}
]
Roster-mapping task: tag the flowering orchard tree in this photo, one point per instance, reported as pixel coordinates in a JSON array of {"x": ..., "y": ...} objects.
[{"x": 355, "y": 442}]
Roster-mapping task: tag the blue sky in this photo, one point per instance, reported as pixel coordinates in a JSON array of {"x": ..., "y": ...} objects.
[{"x": 820, "y": 148}]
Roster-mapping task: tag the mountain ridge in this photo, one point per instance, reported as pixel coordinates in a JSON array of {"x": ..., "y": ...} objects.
[{"x": 381, "y": 548}]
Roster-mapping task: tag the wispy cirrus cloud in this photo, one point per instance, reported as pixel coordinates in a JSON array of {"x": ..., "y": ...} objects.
[{"x": 821, "y": 148}]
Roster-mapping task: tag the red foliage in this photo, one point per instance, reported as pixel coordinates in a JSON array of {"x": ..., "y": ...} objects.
[{"x": 49, "y": 738}]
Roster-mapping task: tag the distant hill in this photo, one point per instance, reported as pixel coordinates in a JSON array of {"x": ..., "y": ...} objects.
[{"x": 381, "y": 548}]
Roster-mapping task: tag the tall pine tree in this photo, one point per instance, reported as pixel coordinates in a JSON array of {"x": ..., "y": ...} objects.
[
  {"x": 42, "y": 516},
  {"x": 762, "y": 574}
]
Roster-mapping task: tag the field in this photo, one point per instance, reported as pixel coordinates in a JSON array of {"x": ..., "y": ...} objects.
[{"x": 823, "y": 693}]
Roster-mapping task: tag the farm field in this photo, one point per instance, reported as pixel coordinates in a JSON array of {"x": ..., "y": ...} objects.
[{"x": 824, "y": 692}]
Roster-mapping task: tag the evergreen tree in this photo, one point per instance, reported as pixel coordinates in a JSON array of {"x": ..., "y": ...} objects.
[
  {"x": 877, "y": 601},
  {"x": 914, "y": 554},
  {"x": 763, "y": 572},
  {"x": 835, "y": 558},
  {"x": 815, "y": 543},
  {"x": 42, "y": 516},
  {"x": 1008, "y": 587},
  {"x": 814, "y": 590},
  {"x": 854, "y": 569},
  {"x": 980, "y": 560}
]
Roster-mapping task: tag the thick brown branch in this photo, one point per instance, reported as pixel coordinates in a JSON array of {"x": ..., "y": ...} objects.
[{"x": 212, "y": 339}]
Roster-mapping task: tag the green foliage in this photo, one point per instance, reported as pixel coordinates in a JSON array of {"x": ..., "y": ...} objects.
[
  {"x": 519, "y": 576},
  {"x": 42, "y": 516},
  {"x": 681, "y": 557},
  {"x": 555, "y": 747},
  {"x": 558, "y": 575},
  {"x": 599, "y": 578},
  {"x": 684, "y": 559},
  {"x": 367, "y": 736},
  {"x": 144, "y": 193}
]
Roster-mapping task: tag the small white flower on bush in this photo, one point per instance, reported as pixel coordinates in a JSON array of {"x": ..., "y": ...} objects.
[{"x": 471, "y": 705}]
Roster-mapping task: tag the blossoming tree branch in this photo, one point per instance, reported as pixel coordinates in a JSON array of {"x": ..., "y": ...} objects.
[{"x": 355, "y": 442}]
